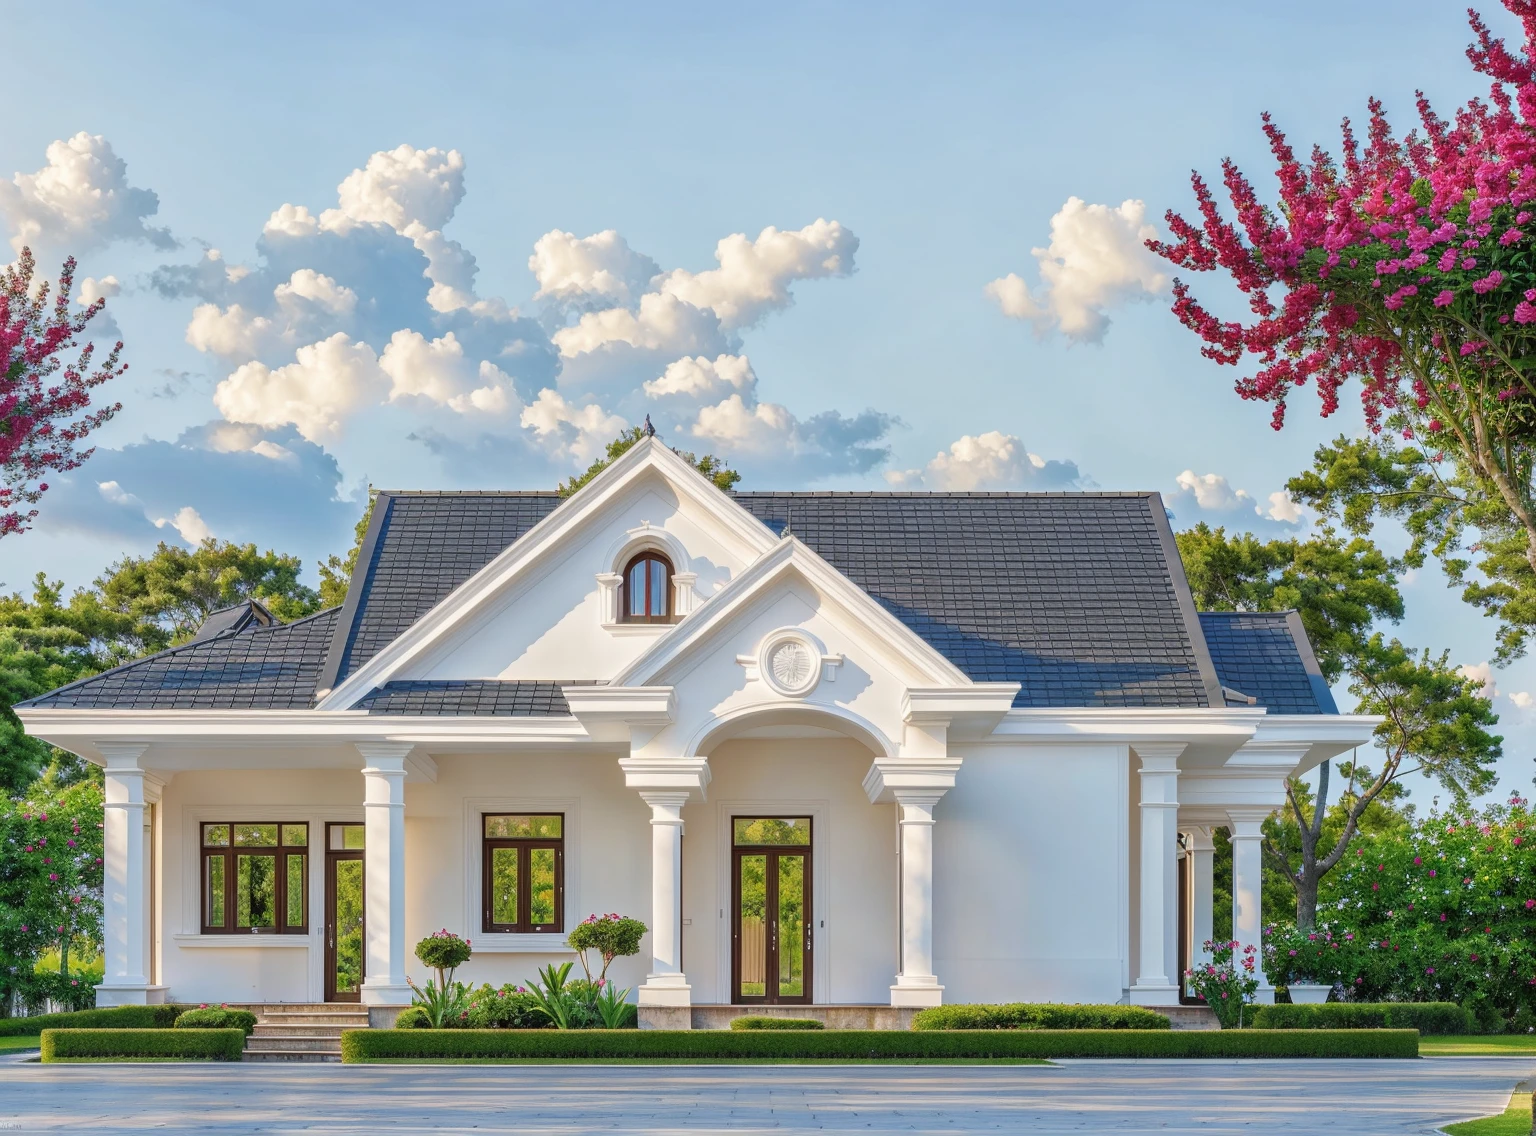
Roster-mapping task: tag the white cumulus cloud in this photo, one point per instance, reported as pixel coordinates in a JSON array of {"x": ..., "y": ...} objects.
[
  {"x": 663, "y": 323},
  {"x": 92, "y": 289},
  {"x": 231, "y": 332},
  {"x": 599, "y": 267},
  {"x": 306, "y": 286},
  {"x": 315, "y": 393},
  {"x": 80, "y": 200},
  {"x": 1521, "y": 698},
  {"x": 188, "y": 523},
  {"x": 1096, "y": 260},
  {"x": 705, "y": 379},
  {"x": 1281, "y": 508},
  {"x": 439, "y": 371},
  {"x": 1212, "y": 491},
  {"x": 581, "y": 431},
  {"x": 993, "y": 460},
  {"x": 1482, "y": 674}
]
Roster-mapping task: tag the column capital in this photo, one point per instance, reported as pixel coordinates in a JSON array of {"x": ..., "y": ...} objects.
[
  {"x": 123, "y": 757},
  {"x": 1159, "y": 757},
  {"x": 1200, "y": 840},
  {"x": 685, "y": 775},
  {"x": 384, "y": 756},
  {"x": 928, "y": 777},
  {"x": 1247, "y": 823}
]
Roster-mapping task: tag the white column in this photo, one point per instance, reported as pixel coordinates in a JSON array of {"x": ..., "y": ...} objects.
[
  {"x": 1157, "y": 979},
  {"x": 125, "y": 894},
  {"x": 916, "y": 984},
  {"x": 1248, "y": 890},
  {"x": 1202, "y": 853},
  {"x": 666, "y": 985},
  {"x": 384, "y": 873}
]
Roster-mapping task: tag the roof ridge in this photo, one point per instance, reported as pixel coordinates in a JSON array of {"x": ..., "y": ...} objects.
[{"x": 166, "y": 652}]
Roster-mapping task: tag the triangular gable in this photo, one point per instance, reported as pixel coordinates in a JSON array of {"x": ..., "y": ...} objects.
[
  {"x": 791, "y": 556},
  {"x": 648, "y": 457}
]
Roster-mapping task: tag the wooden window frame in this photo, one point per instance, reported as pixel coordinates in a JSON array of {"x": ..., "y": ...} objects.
[
  {"x": 771, "y": 853},
  {"x": 280, "y": 852},
  {"x": 523, "y": 845},
  {"x": 656, "y": 558}
]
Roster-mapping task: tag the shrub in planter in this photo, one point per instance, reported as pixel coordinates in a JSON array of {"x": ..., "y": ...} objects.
[
  {"x": 143, "y": 1044},
  {"x": 1426, "y": 1017},
  {"x": 444, "y": 952},
  {"x": 1038, "y": 1016},
  {"x": 760, "y": 1023},
  {"x": 413, "y": 1017},
  {"x": 1227, "y": 982},
  {"x": 507, "y": 1007},
  {"x": 217, "y": 1017},
  {"x": 611, "y": 936}
]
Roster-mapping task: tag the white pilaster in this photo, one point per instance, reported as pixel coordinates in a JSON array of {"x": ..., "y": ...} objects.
[
  {"x": 916, "y": 984},
  {"x": 1202, "y": 852},
  {"x": 384, "y": 770},
  {"x": 1248, "y": 891},
  {"x": 666, "y": 984},
  {"x": 1157, "y": 979},
  {"x": 125, "y": 887},
  {"x": 666, "y": 784}
]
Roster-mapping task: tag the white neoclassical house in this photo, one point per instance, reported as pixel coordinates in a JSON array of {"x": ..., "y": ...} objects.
[{"x": 847, "y": 749}]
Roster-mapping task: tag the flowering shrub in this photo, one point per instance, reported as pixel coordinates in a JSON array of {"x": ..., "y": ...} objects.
[
  {"x": 1227, "y": 981},
  {"x": 444, "y": 952},
  {"x": 506, "y": 1007},
  {"x": 609, "y": 935},
  {"x": 1315, "y": 956},
  {"x": 1443, "y": 911}
]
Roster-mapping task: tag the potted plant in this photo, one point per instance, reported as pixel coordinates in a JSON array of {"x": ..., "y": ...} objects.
[{"x": 1306, "y": 962}]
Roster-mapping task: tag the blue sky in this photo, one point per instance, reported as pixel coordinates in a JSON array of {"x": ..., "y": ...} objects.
[{"x": 936, "y": 145}]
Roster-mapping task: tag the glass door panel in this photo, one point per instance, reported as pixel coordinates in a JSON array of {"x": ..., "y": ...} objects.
[
  {"x": 344, "y": 928},
  {"x": 752, "y": 924},
  {"x": 791, "y": 925}
]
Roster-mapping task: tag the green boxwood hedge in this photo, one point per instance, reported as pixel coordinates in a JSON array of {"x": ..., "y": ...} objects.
[
  {"x": 1038, "y": 1016},
  {"x": 115, "y": 1017},
  {"x": 218, "y": 1019},
  {"x": 1426, "y": 1017},
  {"x": 362, "y": 1046},
  {"x": 767, "y": 1023},
  {"x": 142, "y": 1044}
]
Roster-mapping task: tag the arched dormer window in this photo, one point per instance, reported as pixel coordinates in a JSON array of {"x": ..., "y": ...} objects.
[{"x": 646, "y": 595}]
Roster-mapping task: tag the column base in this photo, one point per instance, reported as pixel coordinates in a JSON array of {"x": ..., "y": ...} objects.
[
  {"x": 917, "y": 990},
  {"x": 665, "y": 1017},
  {"x": 1150, "y": 995},
  {"x": 666, "y": 990},
  {"x": 384, "y": 993},
  {"x": 1264, "y": 995},
  {"x": 127, "y": 992}
]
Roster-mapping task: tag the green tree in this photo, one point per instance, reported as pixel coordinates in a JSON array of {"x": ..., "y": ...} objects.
[
  {"x": 710, "y": 466},
  {"x": 174, "y": 589},
  {"x": 336, "y": 571},
  {"x": 1435, "y": 720}
]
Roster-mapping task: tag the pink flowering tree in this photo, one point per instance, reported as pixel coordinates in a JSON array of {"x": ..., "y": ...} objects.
[
  {"x": 45, "y": 402},
  {"x": 1403, "y": 267},
  {"x": 1227, "y": 980},
  {"x": 50, "y": 887}
]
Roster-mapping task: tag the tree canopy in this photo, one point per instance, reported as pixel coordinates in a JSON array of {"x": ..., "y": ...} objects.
[{"x": 723, "y": 477}]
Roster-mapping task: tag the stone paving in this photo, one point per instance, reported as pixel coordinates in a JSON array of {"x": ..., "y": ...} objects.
[{"x": 1362, "y": 1098}]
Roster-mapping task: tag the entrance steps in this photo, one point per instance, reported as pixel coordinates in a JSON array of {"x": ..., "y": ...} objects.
[{"x": 301, "y": 1031}]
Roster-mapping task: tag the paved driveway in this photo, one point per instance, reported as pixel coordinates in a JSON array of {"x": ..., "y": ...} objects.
[{"x": 1356, "y": 1097}]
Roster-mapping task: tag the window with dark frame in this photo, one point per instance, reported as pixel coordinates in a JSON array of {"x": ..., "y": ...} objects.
[
  {"x": 647, "y": 590},
  {"x": 522, "y": 872},
  {"x": 255, "y": 878}
]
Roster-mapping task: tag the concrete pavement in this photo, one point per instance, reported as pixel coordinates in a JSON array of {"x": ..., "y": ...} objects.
[{"x": 1362, "y": 1098}]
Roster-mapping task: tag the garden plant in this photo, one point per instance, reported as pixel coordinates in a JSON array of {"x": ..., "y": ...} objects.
[{"x": 1227, "y": 982}]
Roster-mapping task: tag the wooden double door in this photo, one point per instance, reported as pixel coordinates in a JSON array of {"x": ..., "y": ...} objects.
[{"x": 772, "y": 939}]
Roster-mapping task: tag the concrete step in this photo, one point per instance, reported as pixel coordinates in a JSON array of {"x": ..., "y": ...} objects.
[
  {"x": 292, "y": 1043},
  {"x": 295, "y": 1029},
  {"x": 343, "y": 1021},
  {"x": 293, "y": 1055}
]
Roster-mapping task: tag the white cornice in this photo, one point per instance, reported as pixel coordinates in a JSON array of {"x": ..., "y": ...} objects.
[
  {"x": 611, "y": 713},
  {"x": 647, "y": 457}
]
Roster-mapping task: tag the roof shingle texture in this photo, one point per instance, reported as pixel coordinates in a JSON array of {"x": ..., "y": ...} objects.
[
  {"x": 260, "y": 668},
  {"x": 429, "y": 545},
  {"x": 1068, "y": 594},
  {"x": 513, "y": 698},
  {"x": 1256, "y": 653}
]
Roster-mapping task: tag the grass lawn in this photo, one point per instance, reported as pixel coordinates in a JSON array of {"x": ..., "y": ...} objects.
[
  {"x": 1493, "y": 1045},
  {"x": 705, "y": 1061},
  {"x": 25, "y": 1041},
  {"x": 1515, "y": 1121}
]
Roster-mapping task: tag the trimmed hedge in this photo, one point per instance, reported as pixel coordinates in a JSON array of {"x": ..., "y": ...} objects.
[
  {"x": 218, "y": 1019},
  {"x": 1426, "y": 1017},
  {"x": 766, "y": 1023},
  {"x": 1038, "y": 1016},
  {"x": 112, "y": 1017},
  {"x": 363, "y": 1046},
  {"x": 138, "y": 1044}
]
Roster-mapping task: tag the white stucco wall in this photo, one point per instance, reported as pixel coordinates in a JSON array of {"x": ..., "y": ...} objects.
[{"x": 1029, "y": 864}]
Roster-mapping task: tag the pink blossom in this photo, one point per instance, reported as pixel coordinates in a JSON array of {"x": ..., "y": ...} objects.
[
  {"x": 1445, "y": 298},
  {"x": 1524, "y": 312}
]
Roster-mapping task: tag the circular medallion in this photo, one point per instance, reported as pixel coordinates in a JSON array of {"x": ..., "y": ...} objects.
[{"x": 790, "y": 662}]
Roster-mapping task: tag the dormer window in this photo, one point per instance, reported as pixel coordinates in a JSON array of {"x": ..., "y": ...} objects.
[{"x": 647, "y": 590}]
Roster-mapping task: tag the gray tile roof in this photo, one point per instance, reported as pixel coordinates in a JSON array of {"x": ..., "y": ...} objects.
[
  {"x": 1069, "y": 594},
  {"x": 516, "y": 699},
  {"x": 257, "y": 668},
  {"x": 1266, "y": 655},
  {"x": 419, "y": 547}
]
